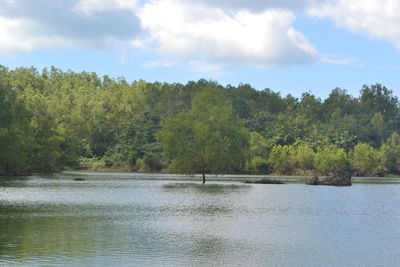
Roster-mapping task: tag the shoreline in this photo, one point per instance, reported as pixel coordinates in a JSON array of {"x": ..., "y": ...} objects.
[
  {"x": 291, "y": 179},
  {"x": 125, "y": 174}
]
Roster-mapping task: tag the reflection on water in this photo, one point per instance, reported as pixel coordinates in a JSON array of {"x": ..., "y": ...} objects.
[
  {"x": 206, "y": 188},
  {"x": 123, "y": 220}
]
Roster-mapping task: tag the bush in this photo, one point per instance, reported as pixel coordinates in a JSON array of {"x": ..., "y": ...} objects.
[
  {"x": 282, "y": 159},
  {"x": 91, "y": 163},
  {"x": 150, "y": 162},
  {"x": 365, "y": 160},
  {"x": 390, "y": 154},
  {"x": 330, "y": 159},
  {"x": 305, "y": 157},
  {"x": 258, "y": 165}
]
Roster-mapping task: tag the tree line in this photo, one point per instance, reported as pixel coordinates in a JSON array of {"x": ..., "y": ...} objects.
[{"x": 51, "y": 120}]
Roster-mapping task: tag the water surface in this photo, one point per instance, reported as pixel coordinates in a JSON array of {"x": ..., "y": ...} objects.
[{"x": 151, "y": 220}]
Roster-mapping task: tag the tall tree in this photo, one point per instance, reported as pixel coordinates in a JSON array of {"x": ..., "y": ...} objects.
[
  {"x": 15, "y": 132},
  {"x": 207, "y": 139}
]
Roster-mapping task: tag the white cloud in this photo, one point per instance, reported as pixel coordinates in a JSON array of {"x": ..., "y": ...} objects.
[
  {"x": 378, "y": 19},
  {"x": 265, "y": 39},
  {"x": 334, "y": 59},
  {"x": 158, "y": 63},
  {"x": 256, "y": 5},
  {"x": 14, "y": 32},
  {"x": 203, "y": 67},
  {"x": 26, "y": 25},
  {"x": 12, "y": 37},
  {"x": 89, "y": 7},
  {"x": 214, "y": 32}
]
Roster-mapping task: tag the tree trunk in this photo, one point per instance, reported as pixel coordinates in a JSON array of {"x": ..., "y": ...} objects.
[{"x": 204, "y": 178}]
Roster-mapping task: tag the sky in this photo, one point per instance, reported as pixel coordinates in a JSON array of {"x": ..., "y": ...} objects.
[{"x": 288, "y": 46}]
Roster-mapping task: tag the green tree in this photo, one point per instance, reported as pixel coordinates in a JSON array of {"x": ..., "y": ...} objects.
[
  {"x": 310, "y": 106},
  {"x": 390, "y": 154},
  {"x": 207, "y": 139},
  {"x": 57, "y": 119},
  {"x": 329, "y": 159},
  {"x": 258, "y": 165},
  {"x": 282, "y": 159},
  {"x": 150, "y": 162},
  {"x": 16, "y": 135},
  {"x": 378, "y": 127},
  {"x": 364, "y": 159},
  {"x": 258, "y": 145},
  {"x": 258, "y": 153},
  {"x": 305, "y": 157}
]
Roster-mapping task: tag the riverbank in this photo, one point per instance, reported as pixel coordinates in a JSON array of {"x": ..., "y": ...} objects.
[
  {"x": 125, "y": 174},
  {"x": 221, "y": 178}
]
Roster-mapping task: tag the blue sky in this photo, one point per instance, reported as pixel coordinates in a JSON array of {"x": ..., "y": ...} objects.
[{"x": 290, "y": 46}]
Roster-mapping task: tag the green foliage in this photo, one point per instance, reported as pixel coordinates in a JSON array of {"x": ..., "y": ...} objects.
[
  {"x": 329, "y": 159},
  {"x": 365, "y": 160},
  {"x": 282, "y": 159},
  {"x": 390, "y": 154},
  {"x": 258, "y": 165},
  {"x": 150, "y": 162},
  {"x": 310, "y": 107},
  {"x": 54, "y": 119},
  {"x": 206, "y": 139},
  {"x": 258, "y": 145},
  {"x": 305, "y": 157},
  {"x": 91, "y": 163},
  {"x": 378, "y": 126},
  {"x": 16, "y": 133}
]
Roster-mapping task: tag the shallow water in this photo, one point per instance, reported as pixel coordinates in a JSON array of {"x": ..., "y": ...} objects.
[{"x": 126, "y": 219}]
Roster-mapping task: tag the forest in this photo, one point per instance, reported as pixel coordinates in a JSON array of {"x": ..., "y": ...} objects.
[{"x": 52, "y": 120}]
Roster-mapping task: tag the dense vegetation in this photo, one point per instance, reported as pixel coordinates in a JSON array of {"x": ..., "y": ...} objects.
[{"x": 51, "y": 120}]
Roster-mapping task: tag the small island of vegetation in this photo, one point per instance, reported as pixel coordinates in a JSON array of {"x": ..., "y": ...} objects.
[{"x": 53, "y": 120}]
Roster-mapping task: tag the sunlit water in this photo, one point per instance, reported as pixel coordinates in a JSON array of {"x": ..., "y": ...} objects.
[{"x": 135, "y": 220}]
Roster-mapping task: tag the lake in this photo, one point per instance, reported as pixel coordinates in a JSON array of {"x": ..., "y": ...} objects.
[{"x": 124, "y": 219}]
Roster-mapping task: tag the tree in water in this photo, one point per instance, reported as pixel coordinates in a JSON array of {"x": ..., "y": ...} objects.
[{"x": 209, "y": 138}]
